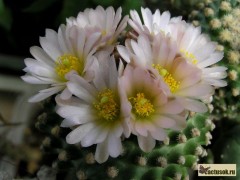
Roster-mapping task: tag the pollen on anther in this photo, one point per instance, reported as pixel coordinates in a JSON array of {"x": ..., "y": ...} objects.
[
  {"x": 67, "y": 63},
  {"x": 168, "y": 78},
  {"x": 141, "y": 105},
  {"x": 107, "y": 106}
]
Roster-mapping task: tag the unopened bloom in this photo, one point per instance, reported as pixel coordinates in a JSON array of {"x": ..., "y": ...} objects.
[
  {"x": 159, "y": 56},
  {"x": 96, "y": 113},
  {"x": 106, "y": 22},
  {"x": 69, "y": 49},
  {"x": 152, "y": 112}
]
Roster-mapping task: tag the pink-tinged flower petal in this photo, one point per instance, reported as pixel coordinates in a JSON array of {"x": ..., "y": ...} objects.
[
  {"x": 216, "y": 74},
  {"x": 147, "y": 18},
  {"x": 105, "y": 22},
  {"x": 106, "y": 74},
  {"x": 172, "y": 107},
  {"x": 102, "y": 136},
  {"x": 126, "y": 80},
  {"x": 66, "y": 94},
  {"x": 50, "y": 48},
  {"x": 36, "y": 80},
  {"x": 126, "y": 128},
  {"x": 101, "y": 154},
  {"x": 163, "y": 53},
  {"x": 78, "y": 134},
  {"x": 149, "y": 126},
  {"x": 135, "y": 26},
  {"x": 138, "y": 51},
  {"x": 43, "y": 95},
  {"x": 141, "y": 129},
  {"x": 40, "y": 55},
  {"x": 113, "y": 73},
  {"x": 69, "y": 123},
  {"x": 172, "y": 53},
  {"x": 159, "y": 134},
  {"x": 80, "y": 115},
  {"x": 117, "y": 131},
  {"x": 80, "y": 92},
  {"x": 81, "y": 41},
  {"x": 156, "y": 17},
  {"x": 117, "y": 18},
  {"x": 188, "y": 39},
  {"x": 214, "y": 69},
  {"x": 38, "y": 68},
  {"x": 81, "y": 88},
  {"x": 114, "y": 145},
  {"x": 217, "y": 82},
  {"x": 146, "y": 143},
  {"x": 191, "y": 80},
  {"x": 144, "y": 43},
  {"x": 51, "y": 36},
  {"x": 196, "y": 90},
  {"x": 95, "y": 135},
  {"x": 124, "y": 53},
  {"x": 182, "y": 69},
  {"x": 62, "y": 39},
  {"x": 136, "y": 22},
  {"x": 205, "y": 51},
  {"x": 110, "y": 17},
  {"x": 73, "y": 101},
  {"x": 164, "y": 122},
  {"x": 160, "y": 99},
  {"x": 164, "y": 21},
  {"x": 90, "y": 43},
  {"x": 214, "y": 58},
  {"x": 152, "y": 23},
  {"x": 193, "y": 105},
  {"x": 99, "y": 76},
  {"x": 180, "y": 121},
  {"x": 121, "y": 26}
]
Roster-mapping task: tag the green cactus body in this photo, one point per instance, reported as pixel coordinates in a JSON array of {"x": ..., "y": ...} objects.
[{"x": 170, "y": 159}]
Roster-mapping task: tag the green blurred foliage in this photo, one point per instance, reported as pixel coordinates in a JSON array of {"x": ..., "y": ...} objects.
[
  {"x": 39, "y": 5},
  {"x": 5, "y": 16}
]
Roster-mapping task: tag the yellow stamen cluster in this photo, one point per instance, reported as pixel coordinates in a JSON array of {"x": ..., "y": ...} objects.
[
  {"x": 103, "y": 32},
  {"x": 189, "y": 56},
  {"x": 67, "y": 63},
  {"x": 107, "y": 107},
  {"x": 168, "y": 78},
  {"x": 141, "y": 106}
]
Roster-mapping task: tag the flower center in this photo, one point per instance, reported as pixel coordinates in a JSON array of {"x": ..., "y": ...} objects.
[
  {"x": 141, "y": 106},
  {"x": 167, "y": 77},
  {"x": 107, "y": 107},
  {"x": 66, "y": 63},
  {"x": 103, "y": 32},
  {"x": 189, "y": 56}
]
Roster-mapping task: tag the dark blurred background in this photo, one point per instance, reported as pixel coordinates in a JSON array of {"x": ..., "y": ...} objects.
[{"x": 22, "y": 22}]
